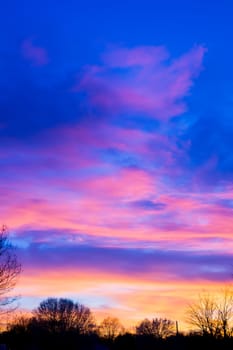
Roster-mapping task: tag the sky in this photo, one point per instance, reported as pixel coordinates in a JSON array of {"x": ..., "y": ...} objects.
[{"x": 116, "y": 146}]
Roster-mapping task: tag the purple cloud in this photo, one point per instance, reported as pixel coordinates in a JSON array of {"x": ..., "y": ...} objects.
[
  {"x": 150, "y": 263},
  {"x": 138, "y": 56},
  {"x": 148, "y": 205},
  {"x": 141, "y": 80},
  {"x": 35, "y": 54}
]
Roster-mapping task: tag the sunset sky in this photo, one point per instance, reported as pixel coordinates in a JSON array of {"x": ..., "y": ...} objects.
[{"x": 116, "y": 128}]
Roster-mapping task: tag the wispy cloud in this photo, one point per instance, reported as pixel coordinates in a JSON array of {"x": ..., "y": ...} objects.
[
  {"x": 37, "y": 55},
  {"x": 141, "y": 80}
]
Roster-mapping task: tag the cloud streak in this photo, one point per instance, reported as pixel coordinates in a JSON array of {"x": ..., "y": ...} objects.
[{"x": 148, "y": 82}]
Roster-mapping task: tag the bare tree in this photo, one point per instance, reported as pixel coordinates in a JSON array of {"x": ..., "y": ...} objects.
[
  {"x": 163, "y": 327},
  {"x": 110, "y": 328},
  {"x": 158, "y": 327},
  {"x": 203, "y": 315},
  {"x": 225, "y": 313},
  {"x": 19, "y": 323},
  {"x": 63, "y": 314},
  {"x": 10, "y": 268},
  {"x": 144, "y": 328},
  {"x": 212, "y": 316}
]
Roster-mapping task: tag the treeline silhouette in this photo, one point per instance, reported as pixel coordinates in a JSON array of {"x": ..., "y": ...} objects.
[{"x": 63, "y": 324}]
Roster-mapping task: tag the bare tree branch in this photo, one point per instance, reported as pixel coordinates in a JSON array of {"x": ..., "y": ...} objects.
[{"x": 10, "y": 269}]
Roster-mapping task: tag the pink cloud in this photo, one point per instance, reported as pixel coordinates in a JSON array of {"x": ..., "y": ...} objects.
[
  {"x": 68, "y": 176},
  {"x": 36, "y": 55},
  {"x": 77, "y": 189},
  {"x": 139, "y": 56},
  {"x": 149, "y": 83}
]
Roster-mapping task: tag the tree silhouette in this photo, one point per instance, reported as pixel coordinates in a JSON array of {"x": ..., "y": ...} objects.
[
  {"x": 158, "y": 327},
  {"x": 225, "y": 313},
  {"x": 63, "y": 314},
  {"x": 110, "y": 328},
  {"x": 212, "y": 316},
  {"x": 10, "y": 268},
  {"x": 19, "y": 324}
]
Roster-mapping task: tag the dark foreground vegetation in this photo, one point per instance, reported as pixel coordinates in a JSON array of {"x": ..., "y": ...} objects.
[{"x": 40, "y": 339}]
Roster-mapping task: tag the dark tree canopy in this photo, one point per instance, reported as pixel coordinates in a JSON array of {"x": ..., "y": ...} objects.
[
  {"x": 9, "y": 269},
  {"x": 63, "y": 314}
]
